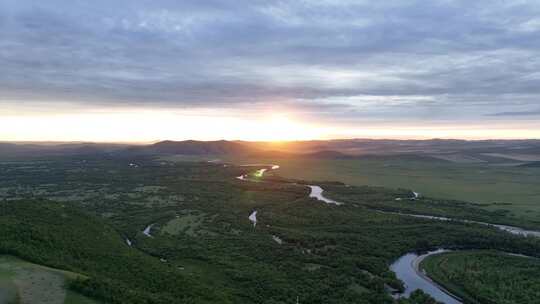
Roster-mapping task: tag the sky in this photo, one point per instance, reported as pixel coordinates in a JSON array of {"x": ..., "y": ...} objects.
[{"x": 147, "y": 70}]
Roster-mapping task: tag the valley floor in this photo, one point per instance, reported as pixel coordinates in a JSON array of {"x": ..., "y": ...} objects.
[
  {"x": 511, "y": 189},
  {"x": 192, "y": 237}
]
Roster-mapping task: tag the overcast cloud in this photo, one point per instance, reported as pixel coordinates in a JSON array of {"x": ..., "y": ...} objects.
[{"x": 334, "y": 59}]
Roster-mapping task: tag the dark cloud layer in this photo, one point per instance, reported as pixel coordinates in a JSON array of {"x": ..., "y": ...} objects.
[
  {"x": 518, "y": 113},
  {"x": 381, "y": 58}
]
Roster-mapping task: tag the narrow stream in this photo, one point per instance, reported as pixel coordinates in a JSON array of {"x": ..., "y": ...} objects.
[
  {"x": 277, "y": 239},
  {"x": 510, "y": 229},
  {"x": 317, "y": 191},
  {"x": 147, "y": 230},
  {"x": 259, "y": 173},
  {"x": 253, "y": 218}
]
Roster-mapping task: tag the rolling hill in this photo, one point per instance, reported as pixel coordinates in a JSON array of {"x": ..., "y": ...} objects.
[
  {"x": 457, "y": 151},
  {"x": 192, "y": 147}
]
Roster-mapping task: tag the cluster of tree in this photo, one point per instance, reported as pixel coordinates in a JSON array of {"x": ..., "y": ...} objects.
[
  {"x": 403, "y": 200},
  {"x": 487, "y": 276}
]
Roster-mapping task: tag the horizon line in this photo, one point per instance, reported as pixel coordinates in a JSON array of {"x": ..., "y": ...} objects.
[{"x": 53, "y": 142}]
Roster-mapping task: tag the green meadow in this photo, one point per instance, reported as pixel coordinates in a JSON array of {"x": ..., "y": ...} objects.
[
  {"x": 23, "y": 282},
  {"x": 516, "y": 189}
]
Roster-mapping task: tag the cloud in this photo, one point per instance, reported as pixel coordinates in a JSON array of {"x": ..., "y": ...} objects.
[
  {"x": 438, "y": 59},
  {"x": 518, "y": 113}
]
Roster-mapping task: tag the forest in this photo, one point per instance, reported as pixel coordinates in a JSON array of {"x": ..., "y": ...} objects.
[
  {"x": 487, "y": 276},
  {"x": 88, "y": 216}
]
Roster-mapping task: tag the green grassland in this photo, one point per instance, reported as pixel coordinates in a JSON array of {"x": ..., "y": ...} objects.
[
  {"x": 75, "y": 214},
  {"x": 187, "y": 222},
  {"x": 24, "y": 282},
  {"x": 486, "y": 276},
  {"x": 516, "y": 189}
]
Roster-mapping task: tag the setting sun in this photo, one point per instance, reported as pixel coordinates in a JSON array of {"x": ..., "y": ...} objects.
[{"x": 152, "y": 125}]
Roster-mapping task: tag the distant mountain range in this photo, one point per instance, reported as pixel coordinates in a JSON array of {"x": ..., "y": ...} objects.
[
  {"x": 521, "y": 152},
  {"x": 192, "y": 147},
  {"x": 15, "y": 150},
  {"x": 535, "y": 164}
]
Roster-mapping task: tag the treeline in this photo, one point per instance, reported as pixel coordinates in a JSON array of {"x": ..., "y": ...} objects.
[
  {"x": 58, "y": 235},
  {"x": 487, "y": 277}
]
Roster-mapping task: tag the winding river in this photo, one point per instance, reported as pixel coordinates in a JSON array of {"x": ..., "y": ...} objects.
[
  {"x": 316, "y": 192},
  {"x": 506, "y": 228},
  {"x": 258, "y": 173},
  {"x": 407, "y": 267}
]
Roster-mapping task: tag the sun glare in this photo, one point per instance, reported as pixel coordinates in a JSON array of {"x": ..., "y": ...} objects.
[
  {"x": 282, "y": 128},
  {"x": 153, "y": 125},
  {"x": 144, "y": 126}
]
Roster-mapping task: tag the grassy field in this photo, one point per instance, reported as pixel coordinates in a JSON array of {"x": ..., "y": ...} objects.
[
  {"x": 512, "y": 188},
  {"x": 24, "y": 282},
  {"x": 188, "y": 222},
  {"x": 486, "y": 276}
]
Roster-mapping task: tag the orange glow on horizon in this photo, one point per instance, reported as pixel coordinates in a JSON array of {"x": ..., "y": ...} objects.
[
  {"x": 154, "y": 125},
  {"x": 149, "y": 126}
]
